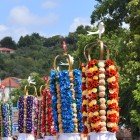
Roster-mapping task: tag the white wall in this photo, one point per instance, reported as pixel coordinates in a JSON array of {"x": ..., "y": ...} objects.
[{"x": 6, "y": 91}]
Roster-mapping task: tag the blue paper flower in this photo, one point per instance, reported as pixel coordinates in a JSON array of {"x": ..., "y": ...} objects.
[
  {"x": 53, "y": 91},
  {"x": 66, "y": 102},
  {"x": 78, "y": 97}
]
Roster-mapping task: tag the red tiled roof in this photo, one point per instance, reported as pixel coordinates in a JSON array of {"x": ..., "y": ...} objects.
[
  {"x": 11, "y": 82},
  {"x": 6, "y": 49}
]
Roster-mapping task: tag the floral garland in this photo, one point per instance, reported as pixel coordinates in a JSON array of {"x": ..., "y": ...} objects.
[
  {"x": 6, "y": 119},
  {"x": 74, "y": 106},
  {"x": 50, "y": 129},
  {"x": 53, "y": 76},
  {"x": 43, "y": 119},
  {"x": 93, "y": 105},
  {"x": 78, "y": 97},
  {"x": 102, "y": 95},
  {"x": 39, "y": 117},
  {"x": 35, "y": 119},
  {"x": 21, "y": 114},
  {"x": 10, "y": 118},
  {"x": 113, "y": 91},
  {"x": 103, "y": 89},
  {"x": 29, "y": 114},
  {"x": 84, "y": 101},
  {"x": 59, "y": 108},
  {"x": 66, "y": 102}
]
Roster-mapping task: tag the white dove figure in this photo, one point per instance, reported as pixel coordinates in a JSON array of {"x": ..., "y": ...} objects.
[
  {"x": 31, "y": 80},
  {"x": 66, "y": 64},
  {"x": 101, "y": 29}
]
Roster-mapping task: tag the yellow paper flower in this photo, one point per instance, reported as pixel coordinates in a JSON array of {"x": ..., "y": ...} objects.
[
  {"x": 90, "y": 114},
  {"x": 112, "y": 101},
  {"x": 88, "y": 79},
  {"x": 109, "y": 124},
  {"x": 84, "y": 69},
  {"x": 84, "y": 113},
  {"x": 112, "y": 67},
  {"x": 96, "y": 113},
  {"x": 94, "y": 90},
  {"x": 93, "y": 102},
  {"x": 89, "y": 91},
  {"x": 95, "y": 77},
  {"x": 112, "y": 91},
  {"x": 95, "y": 125},
  {"x": 112, "y": 112},
  {"x": 83, "y": 80},
  {"x": 112, "y": 79},
  {"x": 84, "y": 92},
  {"x": 85, "y": 102}
]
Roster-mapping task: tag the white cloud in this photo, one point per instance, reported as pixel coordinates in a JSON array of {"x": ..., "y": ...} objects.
[
  {"x": 49, "y": 4},
  {"x": 15, "y": 33},
  {"x": 79, "y": 21},
  {"x": 21, "y": 15},
  {"x": 3, "y": 28}
]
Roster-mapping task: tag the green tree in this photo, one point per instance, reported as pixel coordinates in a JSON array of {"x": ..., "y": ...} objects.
[
  {"x": 8, "y": 42},
  {"x": 112, "y": 12}
]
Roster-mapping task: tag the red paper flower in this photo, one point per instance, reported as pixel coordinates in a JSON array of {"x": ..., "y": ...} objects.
[
  {"x": 98, "y": 129},
  {"x": 84, "y": 98},
  {"x": 109, "y": 62},
  {"x": 113, "y": 106},
  {"x": 85, "y": 130},
  {"x": 92, "y": 84},
  {"x": 93, "y": 108},
  {"x": 113, "y": 129},
  {"x": 94, "y": 119},
  {"x": 111, "y": 72},
  {"x": 92, "y": 63},
  {"x": 113, "y": 85},
  {"x": 113, "y": 96},
  {"x": 83, "y": 74},
  {"x": 84, "y": 108},
  {"x": 84, "y": 87}
]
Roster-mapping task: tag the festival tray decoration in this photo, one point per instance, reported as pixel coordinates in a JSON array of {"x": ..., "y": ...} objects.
[
  {"x": 28, "y": 112},
  {"x": 100, "y": 92},
  {"x": 48, "y": 128},
  {"x": 65, "y": 87}
]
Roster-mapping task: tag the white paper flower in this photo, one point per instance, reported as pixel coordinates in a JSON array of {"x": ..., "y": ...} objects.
[{"x": 101, "y": 64}]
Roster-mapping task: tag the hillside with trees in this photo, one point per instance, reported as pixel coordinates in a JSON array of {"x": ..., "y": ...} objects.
[{"x": 35, "y": 53}]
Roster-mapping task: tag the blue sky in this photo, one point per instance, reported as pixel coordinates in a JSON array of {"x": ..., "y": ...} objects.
[{"x": 47, "y": 17}]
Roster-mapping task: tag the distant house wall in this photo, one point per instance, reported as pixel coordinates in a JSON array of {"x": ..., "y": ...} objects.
[
  {"x": 6, "y": 91},
  {"x": 6, "y": 50}
]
